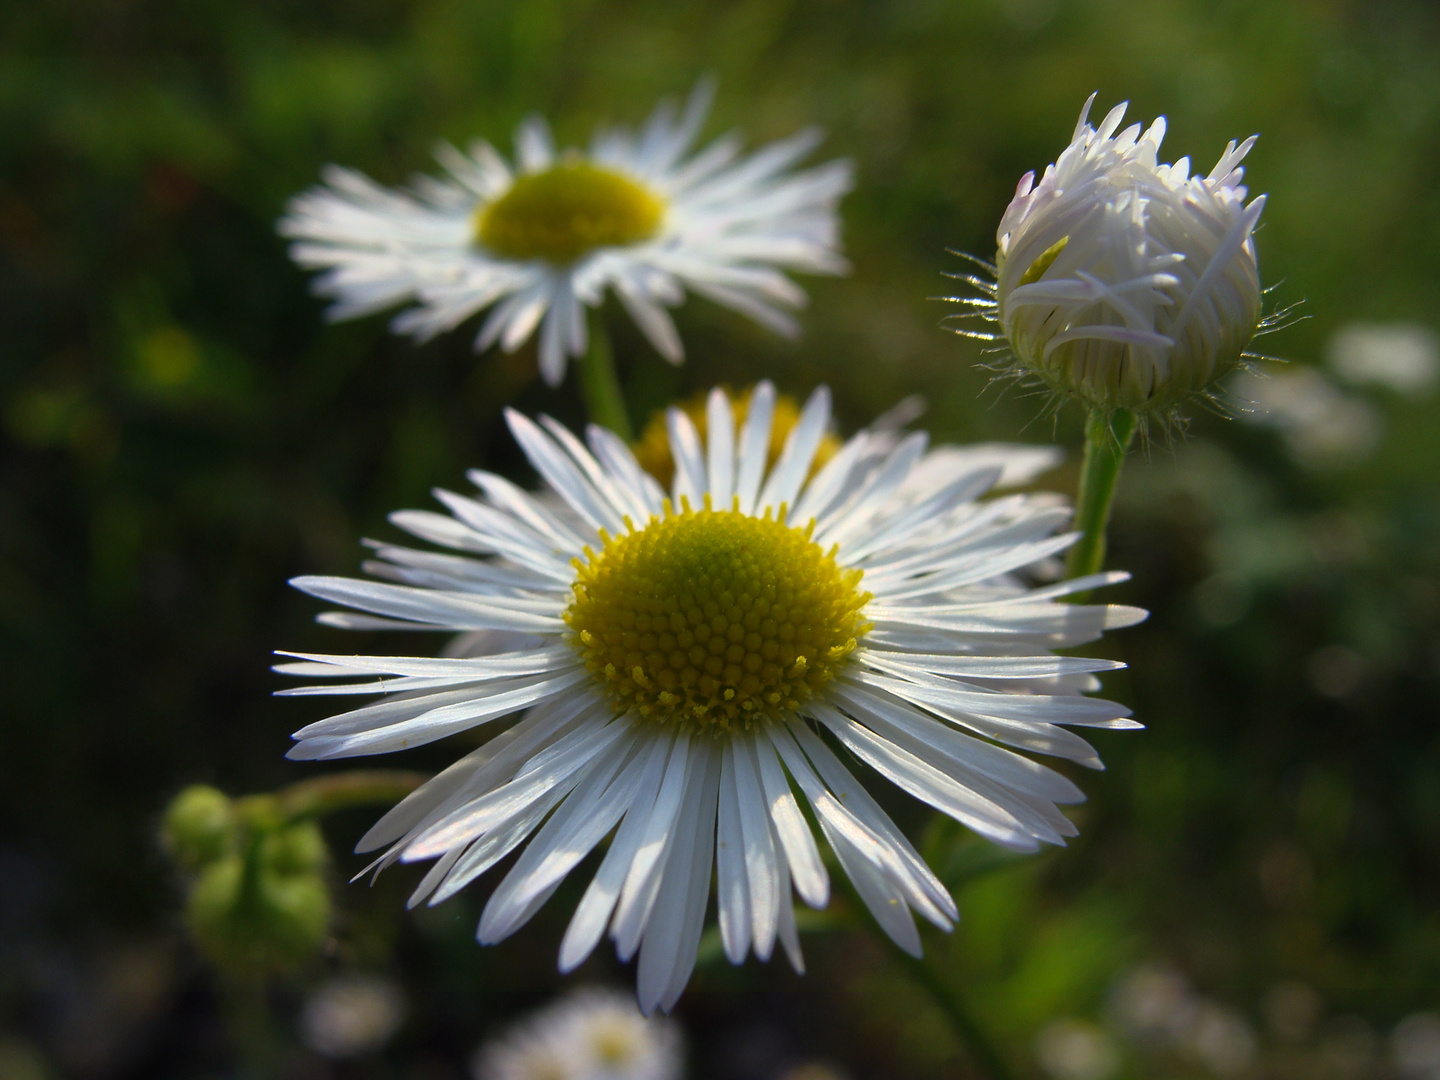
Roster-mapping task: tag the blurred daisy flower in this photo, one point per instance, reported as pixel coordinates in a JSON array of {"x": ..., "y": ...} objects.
[
  {"x": 677, "y": 656},
  {"x": 538, "y": 241},
  {"x": 1123, "y": 282},
  {"x": 352, "y": 1015},
  {"x": 590, "y": 1035}
]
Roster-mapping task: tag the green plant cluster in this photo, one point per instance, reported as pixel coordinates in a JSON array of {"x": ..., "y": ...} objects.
[{"x": 258, "y": 902}]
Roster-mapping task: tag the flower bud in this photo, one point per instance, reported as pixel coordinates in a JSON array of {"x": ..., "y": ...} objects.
[
  {"x": 199, "y": 826},
  {"x": 297, "y": 849},
  {"x": 265, "y": 911},
  {"x": 1123, "y": 282}
]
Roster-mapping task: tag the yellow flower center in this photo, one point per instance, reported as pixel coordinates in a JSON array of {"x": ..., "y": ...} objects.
[
  {"x": 714, "y": 619},
  {"x": 615, "y": 1044},
  {"x": 653, "y": 448},
  {"x": 567, "y": 211}
]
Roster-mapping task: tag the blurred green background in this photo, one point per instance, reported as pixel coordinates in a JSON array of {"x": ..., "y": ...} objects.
[{"x": 181, "y": 433}]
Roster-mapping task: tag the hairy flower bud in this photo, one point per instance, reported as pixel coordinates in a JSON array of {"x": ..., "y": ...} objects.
[{"x": 1123, "y": 282}]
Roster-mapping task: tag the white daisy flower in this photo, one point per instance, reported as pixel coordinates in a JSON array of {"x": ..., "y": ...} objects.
[
  {"x": 1124, "y": 282},
  {"x": 538, "y": 241},
  {"x": 686, "y": 665},
  {"x": 590, "y": 1035}
]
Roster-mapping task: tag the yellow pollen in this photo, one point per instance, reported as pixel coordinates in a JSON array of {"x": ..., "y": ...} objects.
[
  {"x": 713, "y": 619},
  {"x": 567, "y": 211},
  {"x": 653, "y": 449}
]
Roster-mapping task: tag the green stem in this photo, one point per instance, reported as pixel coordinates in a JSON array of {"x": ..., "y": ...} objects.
[
  {"x": 946, "y": 997},
  {"x": 258, "y": 1040},
  {"x": 600, "y": 386},
  {"x": 1107, "y": 437},
  {"x": 322, "y": 794},
  {"x": 952, "y": 1004}
]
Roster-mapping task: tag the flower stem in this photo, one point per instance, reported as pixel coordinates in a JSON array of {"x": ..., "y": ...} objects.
[
  {"x": 322, "y": 794},
  {"x": 600, "y": 386},
  {"x": 950, "y": 1002},
  {"x": 946, "y": 997},
  {"x": 1107, "y": 437}
]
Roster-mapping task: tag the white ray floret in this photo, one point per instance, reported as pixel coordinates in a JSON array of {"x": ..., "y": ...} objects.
[
  {"x": 538, "y": 242},
  {"x": 941, "y": 667}
]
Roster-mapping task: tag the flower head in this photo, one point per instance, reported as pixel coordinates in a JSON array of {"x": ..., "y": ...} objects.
[
  {"x": 539, "y": 241},
  {"x": 590, "y": 1035},
  {"x": 677, "y": 656},
  {"x": 652, "y": 449},
  {"x": 1123, "y": 282}
]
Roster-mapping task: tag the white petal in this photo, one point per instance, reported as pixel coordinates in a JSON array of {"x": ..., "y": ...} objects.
[
  {"x": 543, "y": 773},
  {"x": 811, "y": 880},
  {"x": 764, "y": 869},
  {"x": 686, "y": 452},
  {"x": 581, "y": 822},
  {"x": 594, "y": 909},
  {"x": 794, "y": 462},
  {"x": 732, "y": 890},
  {"x": 677, "y": 899},
  {"x": 642, "y": 883},
  {"x": 720, "y": 448},
  {"x": 755, "y": 444},
  {"x": 562, "y": 474}
]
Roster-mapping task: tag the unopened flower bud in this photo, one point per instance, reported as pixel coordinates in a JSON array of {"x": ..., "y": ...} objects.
[
  {"x": 265, "y": 911},
  {"x": 297, "y": 849},
  {"x": 1123, "y": 282},
  {"x": 199, "y": 826}
]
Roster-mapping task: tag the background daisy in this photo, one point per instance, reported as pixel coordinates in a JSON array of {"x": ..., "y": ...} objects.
[{"x": 540, "y": 240}]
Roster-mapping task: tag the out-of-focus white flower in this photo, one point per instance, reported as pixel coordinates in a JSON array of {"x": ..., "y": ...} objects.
[
  {"x": 1415, "y": 1046},
  {"x": 1157, "y": 1006},
  {"x": 1219, "y": 1037},
  {"x": 1076, "y": 1050},
  {"x": 1322, "y": 424},
  {"x": 1151, "y": 1003},
  {"x": 538, "y": 242},
  {"x": 1123, "y": 282},
  {"x": 590, "y": 1035},
  {"x": 1404, "y": 357},
  {"x": 1292, "y": 1009},
  {"x": 351, "y": 1016}
]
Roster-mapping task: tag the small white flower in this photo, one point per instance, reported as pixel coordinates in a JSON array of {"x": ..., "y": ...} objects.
[
  {"x": 350, "y": 1016},
  {"x": 1322, "y": 424},
  {"x": 1123, "y": 282},
  {"x": 1415, "y": 1046},
  {"x": 539, "y": 241},
  {"x": 682, "y": 661},
  {"x": 1076, "y": 1050},
  {"x": 1404, "y": 357},
  {"x": 590, "y": 1035}
]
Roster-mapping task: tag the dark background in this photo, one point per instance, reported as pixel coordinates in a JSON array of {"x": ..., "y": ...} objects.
[{"x": 181, "y": 433}]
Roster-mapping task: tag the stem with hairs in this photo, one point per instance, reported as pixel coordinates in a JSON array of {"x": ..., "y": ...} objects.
[{"x": 1107, "y": 437}]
